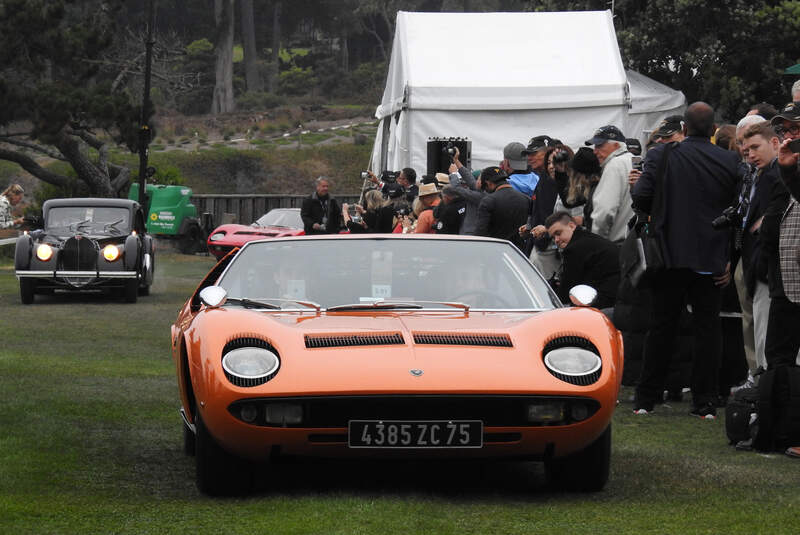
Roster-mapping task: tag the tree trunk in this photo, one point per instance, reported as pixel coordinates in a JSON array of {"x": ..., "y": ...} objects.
[
  {"x": 73, "y": 150},
  {"x": 345, "y": 49},
  {"x": 276, "y": 46},
  {"x": 252, "y": 77},
  {"x": 223, "y": 86}
]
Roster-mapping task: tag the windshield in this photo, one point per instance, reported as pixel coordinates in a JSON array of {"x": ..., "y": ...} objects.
[
  {"x": 485, "y": 275},
  {"x": 280, "y": 218},
  {"x": 102, "y": 219}
]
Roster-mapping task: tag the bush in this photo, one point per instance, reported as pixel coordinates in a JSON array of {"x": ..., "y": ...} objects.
[
  {"x": 296, "y": 81},
  {"x": 260, "y": 101}
]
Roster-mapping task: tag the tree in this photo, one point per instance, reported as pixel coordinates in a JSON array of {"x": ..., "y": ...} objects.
[
  {"x": 222, "y": 101},
  {"x": 54, "y": 101},
  {"x": 252, "y": 77}
]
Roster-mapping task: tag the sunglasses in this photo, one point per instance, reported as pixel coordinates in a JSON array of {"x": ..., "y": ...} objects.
[{"x": 793, "y": 130}]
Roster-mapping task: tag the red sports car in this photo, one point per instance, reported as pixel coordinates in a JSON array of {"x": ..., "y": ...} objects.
[{"x": 277, "y": 223}]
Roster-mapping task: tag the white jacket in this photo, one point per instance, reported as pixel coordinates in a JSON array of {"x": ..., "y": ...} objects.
[{"x": 612, "y": 206}]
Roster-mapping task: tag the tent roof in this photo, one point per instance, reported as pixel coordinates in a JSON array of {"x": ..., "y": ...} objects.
[
  {"x": 647, "y": 95},
  {"x": 463, "y": 61},
  {"x": 794, "y": 69}
]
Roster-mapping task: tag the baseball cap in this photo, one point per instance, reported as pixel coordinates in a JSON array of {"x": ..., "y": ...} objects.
[
  {"x": 514, "y": 152},
  {"x": 538, "y": 143},
  {"x": 790, "y": 112},
  {"x": 669, "y": 126},
  {"x": 494, "y": 174},
  {"x": 634, "y": 146},
  {"x": 606, "y": 133}
]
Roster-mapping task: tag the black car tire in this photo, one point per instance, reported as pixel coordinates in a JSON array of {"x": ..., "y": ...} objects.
[
  {"x": 218, "y": 472},
  {"x": 27, "y": 290},
  {"x": 584, "y": 471},
  {"x": 189, "y": 440},
  {"x": 131, "y": 290}
]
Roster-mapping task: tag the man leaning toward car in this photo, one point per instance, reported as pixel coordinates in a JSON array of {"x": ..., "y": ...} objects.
[
  {"x": 698, "y": 183},
  {"x": 504, "y": 210},
  {"x": 320, "y": 211}
]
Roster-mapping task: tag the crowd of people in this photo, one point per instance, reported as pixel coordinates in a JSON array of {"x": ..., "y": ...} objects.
[{"x": 723, "y": 201}]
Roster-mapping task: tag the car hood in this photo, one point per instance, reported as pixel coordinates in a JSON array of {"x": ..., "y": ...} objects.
[{"x": 358, "y": 352}]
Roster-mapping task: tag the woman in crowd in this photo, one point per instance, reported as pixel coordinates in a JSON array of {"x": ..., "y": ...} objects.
[
  {"x": 577, "y": 182},
  {"x": 376, "y": 216},
  {"x": 10, "y": 198}
]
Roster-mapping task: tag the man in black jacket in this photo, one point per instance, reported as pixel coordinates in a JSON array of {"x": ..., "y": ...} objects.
[
  {"x": 320, "y": 212},
  {"x": 699, "y": 181},
  {"x": 586, "y": 258},
  {"x": 504, "y": 210}
]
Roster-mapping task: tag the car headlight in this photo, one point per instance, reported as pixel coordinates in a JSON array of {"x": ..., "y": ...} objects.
[
  {"x": 250, "y": 366},
  {"x": 572, "y": 361},
  {"x": 110, "y": 252},
  {"x": 216, "y": 236},
  {"x": 44, "y": 252}
]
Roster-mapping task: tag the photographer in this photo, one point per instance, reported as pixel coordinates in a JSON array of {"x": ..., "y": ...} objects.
[
  {"x": 376, "y": 216},
  {"x": 406, "y": 179},
  {"x": 698, "y": 182}
]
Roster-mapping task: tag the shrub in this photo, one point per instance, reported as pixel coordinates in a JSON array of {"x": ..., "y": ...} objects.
[{"x": 296, "y": 81}]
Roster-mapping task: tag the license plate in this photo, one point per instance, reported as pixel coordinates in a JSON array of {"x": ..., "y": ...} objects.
[{"x": 429, "y": 434}]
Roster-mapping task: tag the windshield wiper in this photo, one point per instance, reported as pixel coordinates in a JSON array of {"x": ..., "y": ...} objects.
[
  {"x": 375, "y": 305},
  {"x": 251, "y": 303},
  {"x": 113, "y": 224},
  {"x": 454, "y": 304},
  {"x": 261, "y": 302}
]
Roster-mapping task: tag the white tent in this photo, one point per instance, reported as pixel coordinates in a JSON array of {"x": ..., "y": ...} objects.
[
  {"x": 651, "y": 101},
  {"x": 500, "y": 77}
]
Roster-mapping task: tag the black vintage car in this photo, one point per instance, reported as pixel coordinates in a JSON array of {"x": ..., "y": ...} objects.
[{"x": 87, "y": 245}]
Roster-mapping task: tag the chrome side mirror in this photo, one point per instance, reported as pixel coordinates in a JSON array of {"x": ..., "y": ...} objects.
[
  {"x": 213, "y": 296},
  {"x": 582, "y": 295}
]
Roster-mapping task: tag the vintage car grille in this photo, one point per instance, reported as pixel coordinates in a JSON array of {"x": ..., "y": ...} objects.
[
  {"x": 574, "y": 341},
  {"x": 459, "y": 339},
  {"x": 79, "y": 254},
  {"x": 347, "y": 340},
  {"x": 493, "y": 411}
]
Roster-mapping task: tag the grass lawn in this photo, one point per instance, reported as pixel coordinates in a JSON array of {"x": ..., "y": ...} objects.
[{"x": 90, "y": 442}]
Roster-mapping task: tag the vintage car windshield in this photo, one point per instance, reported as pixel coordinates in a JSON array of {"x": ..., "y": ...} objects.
[
  {"x": 280, "y": 218},
  {"x": 481, "y": 274},
  {"x": 89, "y": 219}
]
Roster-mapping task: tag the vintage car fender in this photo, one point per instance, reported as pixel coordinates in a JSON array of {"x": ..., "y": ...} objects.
[
  {"x": 148, "y": 269},
  {"x": 131, "y": 257},
  {"x": 23, "y": 252}
]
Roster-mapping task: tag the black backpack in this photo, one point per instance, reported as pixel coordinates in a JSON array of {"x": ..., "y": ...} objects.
[
  {"x": 739, "y": 413},
  {"x": 778, "y": 409}
]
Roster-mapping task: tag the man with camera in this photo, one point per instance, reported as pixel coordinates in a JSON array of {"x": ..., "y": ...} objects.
[
  {"x": 697, "y": 182},
  {"x": 670, "y": 129},
  {"x": 780, "y": 232},
  {"x": 390, "y": 181}
]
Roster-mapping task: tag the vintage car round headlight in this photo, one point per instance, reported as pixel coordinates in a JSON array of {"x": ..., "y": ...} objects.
[
  {"x": 110, "y": 252},
  {"x": 44, "y": 252},
  {"x": 250, "y": 362},
  {"x": 572, "y": 361},
  {"x": 216, "y": 236}
]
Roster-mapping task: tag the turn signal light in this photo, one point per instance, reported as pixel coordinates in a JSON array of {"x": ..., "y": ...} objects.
[
  {"x": 44, "y": 252},
  {"x": 111, "y": 252}
]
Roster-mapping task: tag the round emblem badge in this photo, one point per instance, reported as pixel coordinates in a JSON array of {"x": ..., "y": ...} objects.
[{"x": 415, "y": 372}]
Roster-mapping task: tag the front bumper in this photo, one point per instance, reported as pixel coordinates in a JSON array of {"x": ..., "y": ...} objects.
[{"x": 42, "y": 274}]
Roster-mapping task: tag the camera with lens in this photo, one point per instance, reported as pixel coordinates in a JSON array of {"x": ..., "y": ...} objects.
[
  {"x": 402, "y": 211},
  {"x": 449, "y": 149},
  {"x": 729, "y": 218},
  {"x": 390, "y": 176},
  {"x": 560, "y": 156}
]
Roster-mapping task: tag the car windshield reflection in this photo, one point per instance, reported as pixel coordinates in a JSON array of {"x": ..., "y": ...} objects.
[
  {"x": 288, "y": 218},
  {"x": 89, "y": 219},
  {"x": 375, "y": 274}
]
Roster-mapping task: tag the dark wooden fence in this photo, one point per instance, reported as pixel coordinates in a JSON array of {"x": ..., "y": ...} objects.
[{"x": 245, "y": 209}]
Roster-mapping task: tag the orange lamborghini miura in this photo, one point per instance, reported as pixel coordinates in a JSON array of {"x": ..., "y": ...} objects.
[{"x": 392, "y": 346}]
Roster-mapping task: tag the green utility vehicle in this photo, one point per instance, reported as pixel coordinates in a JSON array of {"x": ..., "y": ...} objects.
[{"x": 171, "y": 215}]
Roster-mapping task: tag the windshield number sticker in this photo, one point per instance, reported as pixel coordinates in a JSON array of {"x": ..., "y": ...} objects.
[{"x": 381, "y": 291}]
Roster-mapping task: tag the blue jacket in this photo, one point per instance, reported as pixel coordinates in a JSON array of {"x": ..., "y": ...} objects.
[{"x": 524, "y": 183}]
